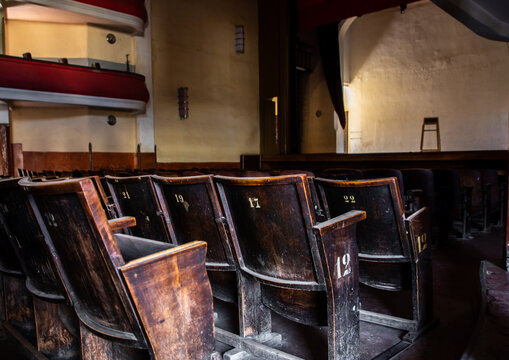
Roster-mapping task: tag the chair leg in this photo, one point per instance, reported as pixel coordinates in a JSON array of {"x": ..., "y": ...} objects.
[
  {"x": 94, "y": 347},
  {"x": 57, "y": 330},
  {"x": 19, "y": 310},
  {"x": 254, "y": 317}
]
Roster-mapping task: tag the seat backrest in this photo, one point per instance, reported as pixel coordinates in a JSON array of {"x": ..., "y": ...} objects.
[
  {"x": 385, "y": 173},
  {"x": 9, "y": 264},
  {"x": 28, "y": 242},
  {"x": 86, "y": 255},
  {"x": 135, "y": 196},
  {"x": 490, "y": 177},
  {"x": 472, "y": 179},
  {"x": 341, "y": 174},
  {"x": 270, "y": 223},
  {"x": 421, "y": 179},
  {"x": 193, "y": 212},
  {"x": 382, "y": 234}
]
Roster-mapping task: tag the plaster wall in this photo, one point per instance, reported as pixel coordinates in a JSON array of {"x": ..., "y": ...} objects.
[
  {"x": 193, "y": 46},
  {"x": 46, "y": 40},
  {"x": 70, "y": 129},
  {"x": 424, "y": 63}
]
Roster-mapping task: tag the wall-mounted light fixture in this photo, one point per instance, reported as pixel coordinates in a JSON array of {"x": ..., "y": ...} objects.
[
  {"x": 239, "y": 39},
  {"x": 402, "y": 8},
  {"x": 111, "y": 38},
  {"x": 183, "y": 102}
]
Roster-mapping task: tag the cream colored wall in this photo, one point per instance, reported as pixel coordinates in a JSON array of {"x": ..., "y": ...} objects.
[
  {"x": 70, "y": 129},
  {"x": 46, "y": 39},
  {"x": 52, "y": 40},
  {"x": 193, "y": 46},
  {"x": 421, "y": 64},
  {"x": 99, "y": 48},
  {"x": 318, "y": 134}
]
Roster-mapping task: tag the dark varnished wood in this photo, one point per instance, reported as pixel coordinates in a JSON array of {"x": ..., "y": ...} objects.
[
  {"x": 173, "y": 298},
  {"x": 288, "y": 263},
  {"x": 191, "y": 209},
  {"x": 90, "y": 267},
  {"x": 135, "y": 196},
  {"x": 122, "y": 223},
  {"x": 55, "y": 322},
  {"x": 192, "y": 212},
  {"x": 389, "y": 259}
]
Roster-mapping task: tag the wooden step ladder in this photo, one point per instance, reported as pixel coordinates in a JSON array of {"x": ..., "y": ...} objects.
[{"x": 430, "y": 124}]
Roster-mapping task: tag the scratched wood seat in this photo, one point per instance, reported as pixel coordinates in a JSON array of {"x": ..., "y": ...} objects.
[
  {"x": 318, "y": 206},
  {"x": 394, "y": 253},
  {"x": 56, "y": 323},
  {"x": 419, "y": 184},
  {"x": 128, "y": 292},
  {"x": 192, "y": 211},
  {"x": 288, "y": 264},
  {"x": 18, "y": 315},
  {"x": 135, "y": 196}
]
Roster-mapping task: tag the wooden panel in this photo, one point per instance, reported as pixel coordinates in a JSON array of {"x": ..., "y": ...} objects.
[
  {"x": 17, "y": 158},
  {"x": 173, "y": 298},
  {"x": 57, "y": 330},
  {"x": 192, "y": 209},
  {"x": 135, "y": 196},
  {"x": 68, "y": 161},
  {"x": 4, "y": 149},
  {"x": 496, "y": 159},
  {"x": 198, "y": 165}
]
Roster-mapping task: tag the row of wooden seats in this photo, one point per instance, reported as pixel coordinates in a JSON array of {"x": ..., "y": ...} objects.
[
  {"x": 171, "y": 208},
  {"x": 117, "y": 295},
  {"x": 314, "y": 270},
  {"x": 462, "y": 194}
]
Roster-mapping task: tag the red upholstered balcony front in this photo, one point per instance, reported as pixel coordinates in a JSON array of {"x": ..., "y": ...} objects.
[{"x": 43, "y": 81}]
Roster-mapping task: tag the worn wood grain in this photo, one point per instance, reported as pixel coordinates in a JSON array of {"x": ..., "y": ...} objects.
[
  {"x": 135, "y": 196},
  {"x": 174, "y": 301},
  {"x": 111, "y": 326},
  {"x": 289, "y": 262},
  {"x": 394, "y": 252}
]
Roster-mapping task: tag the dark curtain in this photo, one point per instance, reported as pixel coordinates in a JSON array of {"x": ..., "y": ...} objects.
[{"x": 329, "y": 52}]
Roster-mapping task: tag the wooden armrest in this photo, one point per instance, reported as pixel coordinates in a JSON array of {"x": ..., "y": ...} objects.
[
  {"x": 133, "y": 247},
  {"x": 340, "y": 222},
  {"x": 122, "y": 222},
  {"x": 418, "y": 228},
  {"x": 172, "y": 295}
]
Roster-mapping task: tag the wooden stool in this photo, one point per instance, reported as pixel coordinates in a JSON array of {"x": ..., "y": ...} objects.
[{"x": 432, "y": 124}]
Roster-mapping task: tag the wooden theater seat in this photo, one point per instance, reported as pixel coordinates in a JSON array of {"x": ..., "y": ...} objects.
[
  {"x": 317, "y": 205},
  {"x": 135, "y": 196},
  {"x": 18, "y": 316},
  {"x": 192, "y": 211},
  {"x": 56, "y": 323},
  {"x": 394, "y": 251},
  {"x": 303, "y": 271},
  {"x": 129, "y": 293}
]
